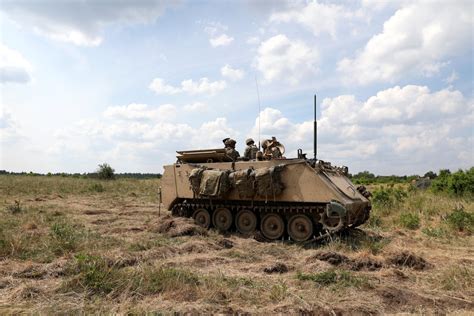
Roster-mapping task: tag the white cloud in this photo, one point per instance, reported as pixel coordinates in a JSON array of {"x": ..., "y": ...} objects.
[
  {"x": 452, "y": 77},
  {"x": 416, "y": 40},
  {"x": 280, "y": 58},
  {"x": 217, "y": 35},
  {"x": 202, "y": 86},
  {"x": 132, "y": 140},
  {"x": 253, "y": 40},
  {"x": 196, "y": 107},
  {"x": 221, "y": 40},
  {"x": 140, "y": 112},
  {"x": 399, "y": 130},
  {"x": 80, "y": 22},
  {"x": 14, "y": 68},
  {"x": 10, "y": 131},
  {"x": 232, "y": 73},
  {"x": 160, "y": 87},
  {"x": 317, "y": 17}
]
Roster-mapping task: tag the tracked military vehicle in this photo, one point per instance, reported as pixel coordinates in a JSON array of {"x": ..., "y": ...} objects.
[{"x": 295, "y": 198}]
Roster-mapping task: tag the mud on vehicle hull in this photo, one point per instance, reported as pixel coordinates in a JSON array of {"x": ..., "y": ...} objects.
[{"x": 314, "y": 199}]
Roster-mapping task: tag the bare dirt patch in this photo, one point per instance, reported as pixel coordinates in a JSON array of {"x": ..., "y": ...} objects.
[
  {"x": 96, "y": 212},
  {"x": 278, "y": 267},
  {"x": 410, "y": 260},
  {"x": 175, "y": 226},
  {"x": 357, "y": 264}
]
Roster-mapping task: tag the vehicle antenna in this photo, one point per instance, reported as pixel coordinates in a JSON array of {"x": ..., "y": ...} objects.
[
  {"x": 258, "y": 96},
  {"x": 315, "y": 131}
]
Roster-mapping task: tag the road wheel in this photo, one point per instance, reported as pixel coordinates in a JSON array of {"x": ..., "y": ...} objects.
[
  {"x": 202, "y": 218},
  {"x": 272, "y": 226},
  {"x": 300, "y": 227},
  {"x": 222, "y": 219},
  {"x": 246, "y": 222},
  {"x": 332, "y": 223}
]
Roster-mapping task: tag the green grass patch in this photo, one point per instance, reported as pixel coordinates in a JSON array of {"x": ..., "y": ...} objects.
[
  {"x": 435, "y": 232},
  {"x": 409, "y": 220},
  {"x": 94, "y": 275},
  {"x": 236, "y": 254},
  {"x": 96, "y": 187},
  {"x": 65, "y": 238},
  {"x": 335, "y": 278},
  {"x": 99, "y": 276},
  {"x": 14, "y": 187},
  {"x": 42, "y": 233},
  {"x": 153, "y": 280},
  {"x": 156, "y": 242}
]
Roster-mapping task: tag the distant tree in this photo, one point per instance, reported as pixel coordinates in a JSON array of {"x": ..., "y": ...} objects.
[
  {"x": 105, "y": 172},
  {"x": 430, "y": 174},
  {"x": 365, "y": 174}
]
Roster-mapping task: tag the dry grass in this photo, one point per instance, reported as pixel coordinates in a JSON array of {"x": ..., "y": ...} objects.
[{"x": 88, "y": 246}]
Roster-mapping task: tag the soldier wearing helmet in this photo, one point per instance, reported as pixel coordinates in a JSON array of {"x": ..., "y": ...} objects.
[
  {"x": 251, "y": 150},
  {"x": 272, "y": 149},
  {"x": 230, "y": 151}
]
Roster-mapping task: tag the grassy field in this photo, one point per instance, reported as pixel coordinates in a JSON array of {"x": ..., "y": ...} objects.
[{"x": 71, "y": 245}]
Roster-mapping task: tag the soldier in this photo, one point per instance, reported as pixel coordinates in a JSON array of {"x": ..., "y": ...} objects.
[
  {"x": 251, "y": 150},
  {"x": 271, "y": 149},
  {"x": 230, "y": 149},
  {"x": 276, "y": 153}
]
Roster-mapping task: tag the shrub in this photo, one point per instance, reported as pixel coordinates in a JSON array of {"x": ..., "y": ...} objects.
[
  {"x": 65, "y": 238},
  {"x": 389, "y": 197},
  {"x": 105, "y": 172},
  {"x": 381, "y": 198},
  {"x": 461, "y": 220},
  {"x": 410, "y": 220},
  {"x": 460, "y": 183}
]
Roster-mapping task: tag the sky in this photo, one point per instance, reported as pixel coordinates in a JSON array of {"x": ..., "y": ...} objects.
[{"x": 131, "y": 82}]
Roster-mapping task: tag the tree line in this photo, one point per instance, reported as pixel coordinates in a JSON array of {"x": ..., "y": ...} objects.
[{"x": 104, "y": 172}]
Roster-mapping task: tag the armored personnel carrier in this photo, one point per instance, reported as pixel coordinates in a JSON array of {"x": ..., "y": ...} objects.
[{"x": 298, "y": 198}]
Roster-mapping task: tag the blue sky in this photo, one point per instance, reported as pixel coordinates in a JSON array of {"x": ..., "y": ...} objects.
[{"x": 131, "y": 82}]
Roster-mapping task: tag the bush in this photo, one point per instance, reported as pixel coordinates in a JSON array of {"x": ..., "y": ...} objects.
[
  {"x": 461, "y": 220},
  {"x": 105, "y": 172},
  {"x": 460, "y": 183},
  {"x": 381, "y": 198},
  {"x": 410, "y": 220},
  {"x": 389, "y": 197}
]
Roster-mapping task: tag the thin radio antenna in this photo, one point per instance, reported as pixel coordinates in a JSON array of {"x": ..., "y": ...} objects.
[{"x": 258, "y": 96}]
